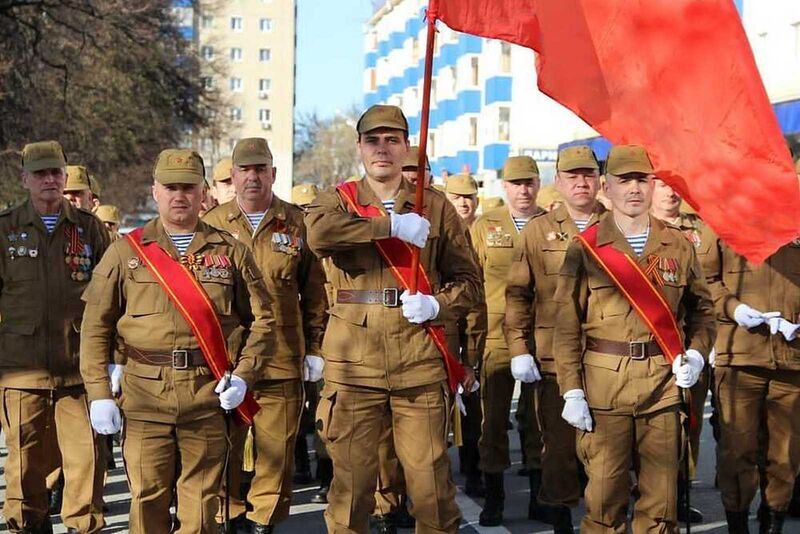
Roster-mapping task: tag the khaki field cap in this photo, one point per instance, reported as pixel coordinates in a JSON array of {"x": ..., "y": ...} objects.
[
  {"x": 222, "y": 170},
  {"x": 77, "y": 178},
  {"x": 379, "y": 116},
  {"x": 252, "y": 151},
  {"x": 461, "y": 184},
  {"x": 548, "y": 194},
  {"x": 108, "y": 214},
  {"x": 412, "y": 159},
  {"x": 520, "y": 168},
  {"x": 304, "y": 194},
  {"x": 576, "y": 157},
  {"x": 623, "y": 159},
  {"x": 492, "y": 202},
  {"x": 179, "y": 166},
  {"x": 43, "y": 155},
  {"x": 94, "y": 185}
]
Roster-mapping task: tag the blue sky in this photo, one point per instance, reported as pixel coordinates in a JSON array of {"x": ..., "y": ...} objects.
[{"x": 330, "y": 54}]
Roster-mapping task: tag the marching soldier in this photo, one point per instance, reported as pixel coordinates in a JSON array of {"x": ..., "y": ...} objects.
[
  {"x": 494, "y": 236},
  {"x": 50, "y": 248},
  {"x": 757, "y": 381},
  {"x": 462, "y": 192},
  {"x": 110, "y": 217},
  {"x": 531, "y": 318},
  {"x": 172, "y": 292},
  {"x": 667, "y": 207},
  {"x": 625, "y": 286},
  {"x": 224, "y": 191},
  {"x": 78, "y": 188},
  {"x": 275, "y": 232},
  {"x": 383, "y": 356},
  {"x": 304, "y": 194}
]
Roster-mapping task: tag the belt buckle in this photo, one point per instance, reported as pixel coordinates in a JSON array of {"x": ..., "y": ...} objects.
[
  {"x": 390, "y": 297},
  {"x": 180, "y": 359},
  {"x": 637, "y": 350}
]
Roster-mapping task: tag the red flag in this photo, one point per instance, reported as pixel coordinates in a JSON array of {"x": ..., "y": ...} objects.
[{"x": 676, "y": 76}]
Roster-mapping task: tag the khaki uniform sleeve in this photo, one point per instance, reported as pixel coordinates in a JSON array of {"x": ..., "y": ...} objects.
[
  {"x": 253, "y": 304},
  {"x": 313, "y": 301},
  {"x": 461, "y": 280},
  {"x": 478, "y": 242},
  {"x": 331, "y": 228},
  {"x": 519, "y": 298},
  {"x": 700, "y": 327},
  {"x": 476, "y": 326},
  {"x": 725, "y": 302},
  {"x": 104, "y": 306},
  {"x": 572, "y": 297}
]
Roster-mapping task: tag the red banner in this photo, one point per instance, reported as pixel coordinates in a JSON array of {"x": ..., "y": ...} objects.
[
  {"x": 192, "y": 301},
  {"x": 397, "y": 254}
]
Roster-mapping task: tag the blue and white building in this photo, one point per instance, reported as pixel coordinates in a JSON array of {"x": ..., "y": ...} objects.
[{"x": 485, "y": 104}]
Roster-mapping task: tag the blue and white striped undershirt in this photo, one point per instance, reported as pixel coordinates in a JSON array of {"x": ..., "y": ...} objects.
[
  {"x": 388, "y": 205},
  {"x": 581, "y": 225},
  {"x": 520, "y": 222},
  {"x": 255, "y": 219},
  {"x": 181, "y": 241},
  {"x": 637, "y": 241},
  {"x": 50, "y": 222}
]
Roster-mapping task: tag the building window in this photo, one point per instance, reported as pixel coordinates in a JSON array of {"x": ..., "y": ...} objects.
[
  {"x": 263, "y": 115},
  {"x": 433, "y": 90},
  {"x": 796, "y": 28},
  {"x": 264, "y": 85},
  {"x": 453, "y": 80},
  {"x": 208, "y": 83},
  {"x": 236, "y": 24},
  {"x": 207, "y": 21},
  {"x": 265, "y": 25},
  {"x": 473, "y": 64},
  {"x": 207, "y": 52},
  {"x": 473, "y": 131},
  {"x": 264, "y": 54},
  {"x": 505, "y": 57},
  {"x": 236, "y": 54},
  {"x": 373, "y": 40},
  {"x": 431, "y": 145},
  {"x": 415, "y": 49},
  {"x": 236, "y": 85},
  {"x": 504, "y": 131},
  {"x": 236, "y": 114},
  {"x": 373, "y": 79}
]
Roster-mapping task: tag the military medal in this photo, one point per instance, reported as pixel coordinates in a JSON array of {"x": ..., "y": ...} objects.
[
  {"x": 23, "y": 235},
  {"x": 134, "y": 262},
  {"x": 77, "y": 254},
  {"x": 33, "y": 252},
  {"x": 12, "y": 236},
  {"x": 22, "y": 250},
  {"x": 693, "y": 236},
  {"x": 12, "y": 252}
]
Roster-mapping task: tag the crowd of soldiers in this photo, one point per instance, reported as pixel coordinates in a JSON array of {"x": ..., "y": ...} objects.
[{"x": 325, "y": 328}]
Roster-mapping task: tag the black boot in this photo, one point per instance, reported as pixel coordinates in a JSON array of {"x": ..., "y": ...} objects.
[
  {"x": 492, "y": 513},
  {"x": 695, "y": 515},
  {"x": 474, "y": 485},
  {"x": 325, "y": 476},
  {"x": 402, "y": 518},
  {"x": 794, "y": 505},
  {"x": 523, "y": 471},
  {"x": 561, "y": 519},
  {"x": 470, "y": 466},
  {"x": 536, "y": 511},
  {"x": 737, "y": 522},
  {"x": 258, "y": 528},
  {"x": 302, "y": 465},
  {"x": 384, "y": 524},
  {"x": 771, "y": 522}
]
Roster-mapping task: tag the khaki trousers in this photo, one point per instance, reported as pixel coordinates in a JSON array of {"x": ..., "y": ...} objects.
[
  {"x": 30, "y": 419},
  {"x": 352, "y": 420},
  {"x": 560, "y": 482},
  {"x": 651, "y": 443},
  {"x": 758, "y": 408},
  {"x": 391, "y": 479}
]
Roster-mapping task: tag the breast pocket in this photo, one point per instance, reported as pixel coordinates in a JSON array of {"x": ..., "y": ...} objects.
[
  {"x": 220, "y": 291},
  {"x": 606, "y": 301},
  {"x": 143, "y": 294}
]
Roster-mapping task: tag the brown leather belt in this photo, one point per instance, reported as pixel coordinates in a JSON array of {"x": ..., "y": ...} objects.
[
  {"x": 389, "y": 296},
  {"x": 177, "y": 359},
  {"x": 635, "y": 350}
]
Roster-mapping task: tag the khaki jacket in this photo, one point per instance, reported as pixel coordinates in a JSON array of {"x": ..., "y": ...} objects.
[
  {"x": 589, "y": 304},
  {"x": 494, "y": 237},
  {"x": 532, "y": 280},
  {"x": 40, "y": 295},
  {"x": 772, "y": 286},
  {"x": 369, "y": 344},
  {"x": 125, "y": 301},
  {"x": 294, "y": 280}
]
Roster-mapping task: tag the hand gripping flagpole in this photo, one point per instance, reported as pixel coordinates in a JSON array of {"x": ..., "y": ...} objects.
[{"x": 423, "y": 132}]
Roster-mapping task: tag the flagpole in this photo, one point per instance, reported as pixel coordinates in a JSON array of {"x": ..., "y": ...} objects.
[{"x": 423, "y": 132}]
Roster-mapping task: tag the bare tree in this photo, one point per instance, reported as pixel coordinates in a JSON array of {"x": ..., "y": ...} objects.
[{"x": 325, "y": 149}]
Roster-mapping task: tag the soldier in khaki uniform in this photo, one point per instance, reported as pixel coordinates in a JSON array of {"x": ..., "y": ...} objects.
[
  {"x": 78, "y": 188},
  {"x": 494, "y": 236},
  {"x": 619, "y": 390},
  {"x": 379, "y": 363},
  {"x": 304, "y": 194},
  {"x": 274, "y": 231},
  {"x": 111, "y": 219},
  {"x": 757, "y": 381},
  {"x": 174, "y": 438},
  {"x": 49, "y": 250},
  {"x": 223, "y": 189},
  {"x": 462, "y": 192},
  {"x": 531, "y": 318}
]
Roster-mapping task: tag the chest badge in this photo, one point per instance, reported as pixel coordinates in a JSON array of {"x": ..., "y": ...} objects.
[{"x": 134, "y": 263}]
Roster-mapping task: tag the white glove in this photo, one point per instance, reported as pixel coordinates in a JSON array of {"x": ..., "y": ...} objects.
[
  {"x": 779, "y": 324},
  {"x": 312, "y": 368},
  {"x": 411, "y": 228},
  {"x": 105, "y": 417},
  {"x": 115, "y": 375},
  {"x": 576, "y": 410},
  {"x": 712, "y": 357},
  {"x": 460, "y": 391},
  {"x": 749, "y": 317},
  {"x": 419, "y": 308},
  {"x": 686, "y": 368},
  {"x": 523, "y": 368},
  {"x": 232, "y": 396}
]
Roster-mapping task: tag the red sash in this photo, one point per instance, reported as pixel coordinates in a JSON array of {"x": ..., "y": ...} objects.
[
  {"x": 645, "y": 298},
  {"x": 189, "y": 297},
  {"x": 397, "y": 255}
]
